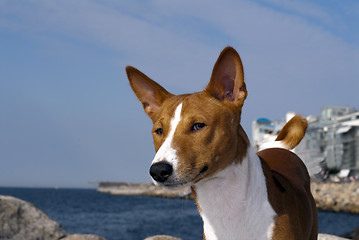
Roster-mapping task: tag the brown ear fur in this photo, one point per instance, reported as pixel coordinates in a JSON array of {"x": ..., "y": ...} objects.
[
  {"x": 293, "y": 131},
  {"x": 227, "y": 81},
  {"x": 150, "y": 93}
]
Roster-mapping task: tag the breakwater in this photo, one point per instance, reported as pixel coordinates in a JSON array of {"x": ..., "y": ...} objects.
[
  {"x": 337, "y": 197},
  {"x": 142, "y": 189},
  {"x": 329, "y": 196}
]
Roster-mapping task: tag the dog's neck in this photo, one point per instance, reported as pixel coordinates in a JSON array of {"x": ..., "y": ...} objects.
[{"x": 234, "y": 203}]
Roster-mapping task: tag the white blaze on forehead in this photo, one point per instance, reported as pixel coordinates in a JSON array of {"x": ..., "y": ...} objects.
[{"x": 166, "y": 152}]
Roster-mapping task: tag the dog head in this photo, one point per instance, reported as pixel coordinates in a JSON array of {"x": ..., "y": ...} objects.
[{"x": 195, "y": 135}]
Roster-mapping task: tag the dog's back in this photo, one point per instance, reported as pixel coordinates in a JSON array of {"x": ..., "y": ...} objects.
[{"x": 288, "y": 181}]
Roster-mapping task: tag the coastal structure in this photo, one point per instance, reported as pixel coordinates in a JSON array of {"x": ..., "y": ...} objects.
[
  {"x": 331, "y": 141},
  {"x": 142, "y": 189}
]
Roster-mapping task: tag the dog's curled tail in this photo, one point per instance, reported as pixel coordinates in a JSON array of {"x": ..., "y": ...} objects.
[{"x": 292, "y": 132}]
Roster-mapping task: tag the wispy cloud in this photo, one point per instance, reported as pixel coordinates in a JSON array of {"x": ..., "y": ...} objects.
[
  {"x": 179, "y": 41},
  {"x": 301, "y": 8},
  {"x": 298, "y": 55}
]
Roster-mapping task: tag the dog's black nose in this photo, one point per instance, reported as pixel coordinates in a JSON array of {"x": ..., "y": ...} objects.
[{"x": 161, "y": 171}]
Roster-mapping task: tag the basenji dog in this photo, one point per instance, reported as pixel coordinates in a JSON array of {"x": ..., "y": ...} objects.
[{"x": 199, "y": 142}]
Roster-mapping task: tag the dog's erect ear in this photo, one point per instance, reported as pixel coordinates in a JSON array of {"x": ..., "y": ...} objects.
[
  {"x": 150, "y": 93},
  {"x": 227, "y": 81}
]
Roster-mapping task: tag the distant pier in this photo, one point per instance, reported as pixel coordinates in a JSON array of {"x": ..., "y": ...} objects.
[{"x": 142, "y": 189}]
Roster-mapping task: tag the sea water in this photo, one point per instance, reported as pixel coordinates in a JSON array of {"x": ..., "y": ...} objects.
[{"x": 137, "y": 217}]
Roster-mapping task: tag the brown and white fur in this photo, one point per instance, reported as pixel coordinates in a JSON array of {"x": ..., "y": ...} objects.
[{"x": 200, "y": 143}]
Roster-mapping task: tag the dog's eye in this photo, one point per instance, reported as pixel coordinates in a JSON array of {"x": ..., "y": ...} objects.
[
  {"x": 198, "y": 126},
  {"x": 159, "y": 131}
]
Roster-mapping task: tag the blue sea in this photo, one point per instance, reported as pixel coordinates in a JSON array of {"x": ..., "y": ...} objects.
[{"x": 137, "y": 217}]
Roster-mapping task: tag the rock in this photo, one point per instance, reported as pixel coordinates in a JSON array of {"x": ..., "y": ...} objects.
[
  {"x": 338, "y": 197},
  {"x": 322, "y": 236},
  {"x": 353, "y": 235},
  {"x": 162, "y": 237},
  {"x": 21, "y": 220},
  {"x": 82, "y": 237}
]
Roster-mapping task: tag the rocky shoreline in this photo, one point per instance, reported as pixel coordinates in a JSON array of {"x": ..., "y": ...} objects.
[
  {"x": 336, "y": 197},
  {"x": 21, "y": 220},
  {"x": 329, "y": 196}
]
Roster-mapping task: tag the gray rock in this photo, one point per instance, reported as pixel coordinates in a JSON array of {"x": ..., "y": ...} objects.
[
  {"x": 162, "y": 237},
  {"x": 21, "y": 220},
  {"x": 322, "y": 236},
  {"x": 82, "y": 237},
  {"x": 353, "y": 235}
]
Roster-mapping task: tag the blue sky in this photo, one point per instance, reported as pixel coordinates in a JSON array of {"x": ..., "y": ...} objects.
[{"x": 68, "y": 116}]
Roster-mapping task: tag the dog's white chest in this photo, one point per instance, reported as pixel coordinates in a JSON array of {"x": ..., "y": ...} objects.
[{"x": 234, "y": 204}]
